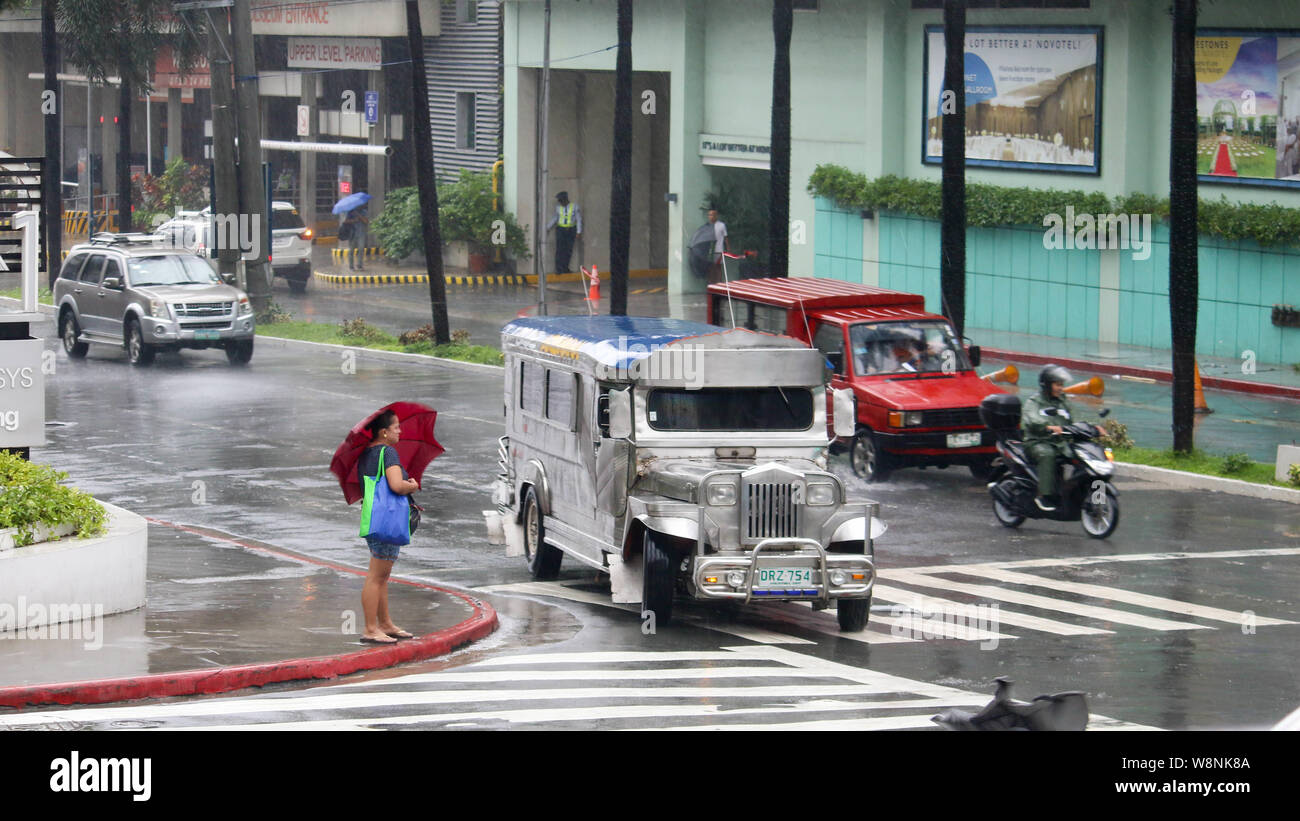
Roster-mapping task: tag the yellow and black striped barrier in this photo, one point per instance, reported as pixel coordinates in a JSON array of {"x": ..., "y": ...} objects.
[
  {"x": 76, "y": 222},
  {"x": 415, "y": 279},
  {"x": 343, "y": 256}
]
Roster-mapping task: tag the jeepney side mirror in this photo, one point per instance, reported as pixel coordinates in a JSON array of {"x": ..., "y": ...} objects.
[
  {"x": 845, "y": 410},
  {"x": 620, "y": 414},
  {"x": 974, "y": 353}
]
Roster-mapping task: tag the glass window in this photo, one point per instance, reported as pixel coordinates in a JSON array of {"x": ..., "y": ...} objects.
[
  {"x": 94, "y": 270},
  {"x": 465, "y": 137},
  {"x": 531, "y": 386},
  {"x": 559, "y": 397},
  {"x": 769, "y": 318},
  {"x": 906, "y": 347},
  {"x": 731, "y": 409},
  {"x": 172, "y": 269},
  {"x": 285, "y": 218},
  {"x": 111, "y": 269},
  {"x": 829, "y": 339},
  {"x": 72, "y": 268},
  {"x": 466, "y": 11}
]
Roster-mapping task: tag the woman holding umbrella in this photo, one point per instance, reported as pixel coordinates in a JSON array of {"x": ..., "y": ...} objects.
[
  {"x": 402, "y": 433},
  {"x": 352, "y": 228},
  {"x": 385, "y": 431}
]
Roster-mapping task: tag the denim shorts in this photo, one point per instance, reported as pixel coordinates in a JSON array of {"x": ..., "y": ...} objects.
[{"x": 383, "y": 550}]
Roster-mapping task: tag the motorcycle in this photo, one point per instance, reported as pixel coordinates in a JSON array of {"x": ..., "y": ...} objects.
[{"x": 1086, "y": 493}]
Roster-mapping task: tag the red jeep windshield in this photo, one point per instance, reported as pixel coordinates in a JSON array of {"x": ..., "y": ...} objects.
[{"x": 906, "y": 347}]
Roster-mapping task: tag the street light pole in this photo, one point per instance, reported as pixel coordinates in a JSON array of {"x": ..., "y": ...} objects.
[{"x": 543, "y": 165}]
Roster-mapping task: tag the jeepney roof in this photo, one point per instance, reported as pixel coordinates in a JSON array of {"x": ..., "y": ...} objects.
[
  {"x": 618, "y": 341},
  {"x": 814, "y": 292}
]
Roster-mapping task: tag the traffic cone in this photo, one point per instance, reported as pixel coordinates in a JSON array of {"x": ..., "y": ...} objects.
[
  {"x": 1010, "y": 375},
  {"x": 1093, "y": 386},
  {"x": 594, "y": 293},
  {"x": 1199, "y": 404}
]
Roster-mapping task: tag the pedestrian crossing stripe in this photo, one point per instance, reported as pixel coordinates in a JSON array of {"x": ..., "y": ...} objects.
[
  {"x": 915, "y": 612},
  {"x": 812, "y": 694}
]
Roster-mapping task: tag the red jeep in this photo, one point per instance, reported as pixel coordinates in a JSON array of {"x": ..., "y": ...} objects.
[{"x": 916, "y": 388}]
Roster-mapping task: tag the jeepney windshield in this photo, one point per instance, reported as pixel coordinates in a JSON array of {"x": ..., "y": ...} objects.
[
  {"x": 906, "y": 347},
  {"x": 731, "y": 409}
]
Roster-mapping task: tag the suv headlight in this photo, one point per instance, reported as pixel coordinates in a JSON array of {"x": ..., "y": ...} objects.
[
  {"x": 720, "y": 493},
  {"x": 245, "y": 307},
  {"x": 159, "y": 309},
  {"x": 821, "y": 493}
]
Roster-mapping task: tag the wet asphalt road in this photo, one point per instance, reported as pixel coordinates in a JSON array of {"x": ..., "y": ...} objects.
[{"x": 259, "y": 441}]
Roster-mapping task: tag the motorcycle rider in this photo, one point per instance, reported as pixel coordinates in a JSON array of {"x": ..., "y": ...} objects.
[{"x": 1043, "y": 439}]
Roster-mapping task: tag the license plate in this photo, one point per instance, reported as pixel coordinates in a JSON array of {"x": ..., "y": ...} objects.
[
  {"x": 785, "y": 577},
  {"x": 963, "y": 440},
  {"x": 207, "y": 334}
]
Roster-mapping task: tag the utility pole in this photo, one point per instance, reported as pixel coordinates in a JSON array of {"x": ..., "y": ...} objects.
[
  {"x": 424, "y": 176},
  {"x": 620, "y": 196},
  {"x": 952, "y": 111},
  {"x": 52, "y": 170},
  {"x": 543, "y": 165},
  {"x": 252, "y": 188},
  {"x": 224, "y": 182},
  {"x": 1184, "y": 274}
]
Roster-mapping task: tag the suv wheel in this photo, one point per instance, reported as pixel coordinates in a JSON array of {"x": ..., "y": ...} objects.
[
  {"x": 240, "y": 353},
  {"x": 69, "y": 330},
  {"x": 138, "y": 352}
]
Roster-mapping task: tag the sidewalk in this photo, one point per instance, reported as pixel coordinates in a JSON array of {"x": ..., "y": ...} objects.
[
  {"x": 330, "y": 265},
  {"x": 224, "y": 614},
  {"x": 1111, "y": 360}
]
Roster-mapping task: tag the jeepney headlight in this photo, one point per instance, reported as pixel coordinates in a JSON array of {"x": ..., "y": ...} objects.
[
  {"x": 736, "y": 579},
  {"x": 901, "y": 419},
  {"x": 721, "y": 493},
  {"x": 838, "y": 577},
  {"x": 821, "y": 493}
]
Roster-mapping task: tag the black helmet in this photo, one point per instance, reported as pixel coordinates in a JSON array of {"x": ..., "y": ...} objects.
[{"x": 1052, "y": 373}]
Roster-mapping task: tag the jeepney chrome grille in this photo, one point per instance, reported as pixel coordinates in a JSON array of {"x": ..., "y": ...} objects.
[
  {"x": 770, "y": 511},
  {"x": 951, "y": 417}
]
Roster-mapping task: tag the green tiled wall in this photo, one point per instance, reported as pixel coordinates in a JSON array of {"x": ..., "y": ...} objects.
[{"x": 1015, "y": 284}]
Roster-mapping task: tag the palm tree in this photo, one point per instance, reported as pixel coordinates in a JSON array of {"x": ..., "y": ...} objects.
[
  {"x": 1183, "y": 273},
  {"x": 952, "y": 272},
  {"x": 620, "y": 195},
  {"x": 778, "y": 224},
  {"x": 425, "y": 180}
]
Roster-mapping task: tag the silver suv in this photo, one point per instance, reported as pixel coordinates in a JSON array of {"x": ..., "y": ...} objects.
[{"x": 122, "y": 289}]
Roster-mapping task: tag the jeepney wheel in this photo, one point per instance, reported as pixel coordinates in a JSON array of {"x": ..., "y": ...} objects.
[
  {"x": 867, "y": 459},
  {"x": 543, "y": 559},
  {"x": 658, "y": 579},
  {"x": 853, "y": 614}
]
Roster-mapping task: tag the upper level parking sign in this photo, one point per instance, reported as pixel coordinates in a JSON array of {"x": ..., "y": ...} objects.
[{"x": 372, "y": 106}]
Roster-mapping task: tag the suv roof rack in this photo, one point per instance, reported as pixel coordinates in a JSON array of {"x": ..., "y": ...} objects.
[{"x": 111, "y": 238}]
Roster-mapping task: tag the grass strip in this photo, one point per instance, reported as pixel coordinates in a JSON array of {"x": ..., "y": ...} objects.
[
  {"x": 1200, "y": 462},
  {"x": 373, "y": 338}
]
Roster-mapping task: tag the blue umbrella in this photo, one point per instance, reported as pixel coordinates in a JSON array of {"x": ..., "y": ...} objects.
[{"x": 351, "y": 201}]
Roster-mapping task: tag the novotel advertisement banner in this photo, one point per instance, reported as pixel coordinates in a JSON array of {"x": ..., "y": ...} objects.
[
  {"x": 22, "y": 393},
  {"x": 1248, "y": 107},
  {"x": 1032, "y": 97}
]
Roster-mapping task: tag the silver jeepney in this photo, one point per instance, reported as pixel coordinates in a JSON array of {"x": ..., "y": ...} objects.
[{"x": 680, "y": 458}]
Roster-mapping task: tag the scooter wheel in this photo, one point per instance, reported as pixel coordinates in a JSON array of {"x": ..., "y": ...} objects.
[
  {"x": 1099, "y": 520},
  {"x": 1006, "y": 516}
]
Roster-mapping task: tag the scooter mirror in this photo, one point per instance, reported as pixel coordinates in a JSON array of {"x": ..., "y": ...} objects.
[{"x": 1104, "y": 413}]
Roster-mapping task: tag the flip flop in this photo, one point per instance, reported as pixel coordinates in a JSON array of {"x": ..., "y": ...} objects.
[
  {"x": 369, "y": 640},
  {"x": 401, "y": 634}
]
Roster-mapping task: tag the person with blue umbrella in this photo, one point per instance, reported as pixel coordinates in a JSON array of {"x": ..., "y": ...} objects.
[{"x": 352, "y": 229}]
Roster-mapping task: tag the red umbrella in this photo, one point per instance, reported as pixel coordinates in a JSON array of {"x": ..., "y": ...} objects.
[{"x": 417, "y": 447}]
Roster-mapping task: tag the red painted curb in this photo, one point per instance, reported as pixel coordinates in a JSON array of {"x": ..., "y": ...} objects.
[
  {"x": 1217, "y": 382},
  {"x": 224, "y": 679}
]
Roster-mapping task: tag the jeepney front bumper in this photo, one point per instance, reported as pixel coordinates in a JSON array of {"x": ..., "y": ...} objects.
[{"x": 784, "y": 569}]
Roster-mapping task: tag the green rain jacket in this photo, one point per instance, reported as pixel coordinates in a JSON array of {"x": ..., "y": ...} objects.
[{"x": 1034, "y": 422}]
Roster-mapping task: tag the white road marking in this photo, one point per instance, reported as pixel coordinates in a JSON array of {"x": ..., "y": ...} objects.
[
  {"x": 1121, "y": 557},
  {"x": 915, "y": 600},
  {"x": 1106, "y": 614}
]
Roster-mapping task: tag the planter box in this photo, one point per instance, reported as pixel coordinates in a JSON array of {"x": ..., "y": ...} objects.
[
  {"x": 42, "y": 534},
  {"x": 107, "y": 571},
  {"x": 455, "y": 254}
]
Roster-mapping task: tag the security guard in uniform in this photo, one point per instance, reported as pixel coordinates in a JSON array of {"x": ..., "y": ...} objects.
[
  {"x": 568, "y": 225},
  {"x": 1042, "y": 431}
]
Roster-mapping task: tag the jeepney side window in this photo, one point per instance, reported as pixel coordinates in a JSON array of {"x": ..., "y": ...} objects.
[
  {"x": 829, "y": 339},
  {"x": 769, "y": 318},
  {"x": 559, "y": 397},
  {"x": 531, "y": 387}
]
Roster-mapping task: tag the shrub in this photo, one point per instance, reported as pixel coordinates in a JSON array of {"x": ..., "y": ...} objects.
[
  {"x": 31, "y": 495},
  {"x": 179, "y": 186},
  {"x": 460, "y": 336},
  {"x": 1293, "y": 474},
  {"x": 421, "y": 334},
  {"x": 1236, "y": 462},
  {"x": 465, "y": 214},
  {"x": 274, "y": 313},
  {"x": 1115, "y": 436},
  {"x": 361, "y": 329}
]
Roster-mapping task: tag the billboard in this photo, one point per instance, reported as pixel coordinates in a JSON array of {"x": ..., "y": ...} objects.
[
  {"x": 1032, "y": 98},
  {"x": 1248, "y": 107}
]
